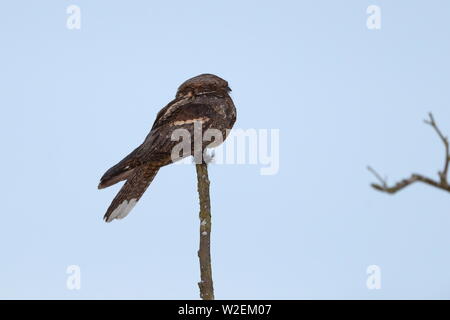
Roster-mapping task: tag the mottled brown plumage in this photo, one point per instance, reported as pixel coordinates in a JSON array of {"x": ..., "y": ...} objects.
[{"x": 204, "y": 99}]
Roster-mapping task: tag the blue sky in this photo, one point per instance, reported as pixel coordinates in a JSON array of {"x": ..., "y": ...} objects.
[{"x": 74, "y": 102}]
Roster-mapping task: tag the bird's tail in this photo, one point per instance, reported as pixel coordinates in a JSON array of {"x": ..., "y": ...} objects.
[
  {"x": 121, "y": 171},
  {"x": 131, "y": 192}
]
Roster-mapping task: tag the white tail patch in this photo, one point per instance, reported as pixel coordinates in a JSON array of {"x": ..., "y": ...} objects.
[{"x": 122, "y": 210}]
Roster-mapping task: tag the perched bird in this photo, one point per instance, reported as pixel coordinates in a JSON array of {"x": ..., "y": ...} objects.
[{"x": 205, "y": 99}]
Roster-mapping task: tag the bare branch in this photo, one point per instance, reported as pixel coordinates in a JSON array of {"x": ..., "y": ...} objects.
[
  {"x": 378, "y": 176},
  {"x": 441, "y": 184},
  {"x": 204, "y": 252},
  {"x": 442, "y": 174}
]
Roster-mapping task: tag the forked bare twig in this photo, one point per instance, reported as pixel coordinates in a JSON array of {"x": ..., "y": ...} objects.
[{"x": 442, "y": 183}]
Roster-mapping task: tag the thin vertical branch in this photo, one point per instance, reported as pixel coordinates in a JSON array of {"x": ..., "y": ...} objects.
[
  {"x": 444, "y": 139},
  {"x": 204, "y": 252}
]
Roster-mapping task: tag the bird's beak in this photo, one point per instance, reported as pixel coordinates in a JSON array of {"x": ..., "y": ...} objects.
[{"x": 229, "y": 89}]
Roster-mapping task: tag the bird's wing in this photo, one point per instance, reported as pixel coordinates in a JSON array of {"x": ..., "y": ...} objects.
[
  {"x": 180, "y": 113},
  {"x": 159, "y": 143},
  {"x": 131, "y": 192},
  {"x": 179, "y": 109},
  {"x": 124, "y": 169},
  {"x": 121, "y": 171}
]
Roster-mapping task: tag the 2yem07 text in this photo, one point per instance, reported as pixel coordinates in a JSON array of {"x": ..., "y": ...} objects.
[{"x": 247, "y": 309}]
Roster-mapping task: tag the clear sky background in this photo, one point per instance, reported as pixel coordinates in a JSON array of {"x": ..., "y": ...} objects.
[{"x": 74, "y": 102}]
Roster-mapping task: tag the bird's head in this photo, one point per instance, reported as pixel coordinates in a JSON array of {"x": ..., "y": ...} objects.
[{"x": 203, "y": 84}]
